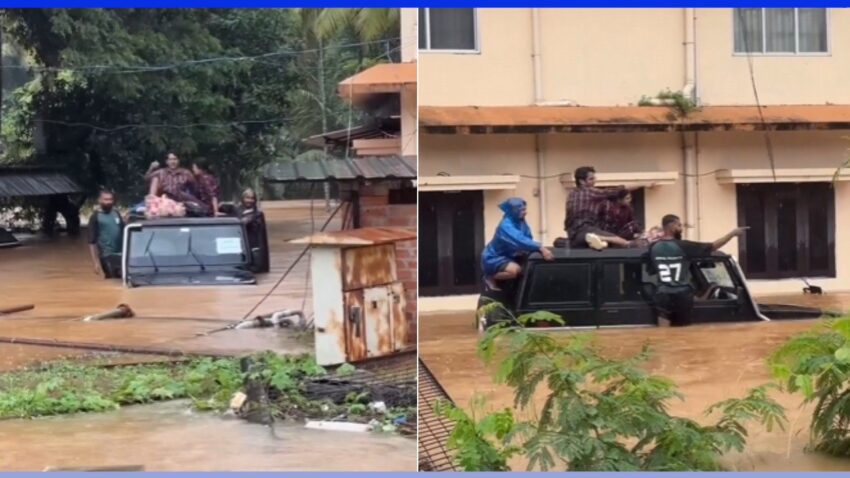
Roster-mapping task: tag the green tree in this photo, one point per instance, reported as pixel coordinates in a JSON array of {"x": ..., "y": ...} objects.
[
  {"x": 368, "y": 23},
  {"x": 105, "y": 125}
]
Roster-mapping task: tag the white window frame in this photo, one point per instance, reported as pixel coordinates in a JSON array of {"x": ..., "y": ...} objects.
[
  {"x": 796, "y": 51},
  {"x": 475, "y": 34}
]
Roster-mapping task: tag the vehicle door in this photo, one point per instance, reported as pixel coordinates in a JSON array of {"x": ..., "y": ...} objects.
[
  {"x": 620, "y": 295},
  {"x": 563, "y": 287}
]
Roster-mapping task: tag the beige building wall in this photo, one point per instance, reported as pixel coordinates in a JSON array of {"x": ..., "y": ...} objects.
[
  {"x": 717, "y": 209},
  {"x": 598, "y": 57},
  {"x": 724, "y": 79}
]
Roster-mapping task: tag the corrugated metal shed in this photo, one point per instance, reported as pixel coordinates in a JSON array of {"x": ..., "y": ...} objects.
[
  {"x": 359, "y": 169},
  {"x": 29, "y": 182}
]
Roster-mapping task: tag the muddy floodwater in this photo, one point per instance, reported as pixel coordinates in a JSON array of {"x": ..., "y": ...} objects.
[
  {"x": 708, "y": 362},
  {"x": 57, "y": 277},
  {"x": 169, "y": 437}
]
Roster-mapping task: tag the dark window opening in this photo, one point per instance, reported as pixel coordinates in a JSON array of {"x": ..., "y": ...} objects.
[
  {"x": 560, "y": 284},
  {"x": 792, "y": 230},
  {"x": 451, "y": 238},
  {"x": 402, "y": 196},
  {"x": 621, "y": 282},
  {"x": 447, "y": 29}
]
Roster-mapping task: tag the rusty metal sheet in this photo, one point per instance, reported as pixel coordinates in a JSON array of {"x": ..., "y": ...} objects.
[
  {"x": 367, "y": 236},
  {"x": 591, "y": 119},
  {"x": 330, "y": 315},
  {"x": 356, "y": 347},
  {"x": 368, "y": 266},
  {"x": 400, "y": 322},
  {"x": 379, "y": 338}
]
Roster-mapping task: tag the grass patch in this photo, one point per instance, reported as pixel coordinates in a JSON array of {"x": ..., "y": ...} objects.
[{"x": 67, "y": 387}]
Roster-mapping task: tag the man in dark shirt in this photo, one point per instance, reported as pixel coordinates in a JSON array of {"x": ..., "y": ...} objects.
[
  {"x": 582, "y": 223},
  {"x": 208, "y": 189},
  {"x": 671, "y": 258},
  {"x": 106, "y": 235}
]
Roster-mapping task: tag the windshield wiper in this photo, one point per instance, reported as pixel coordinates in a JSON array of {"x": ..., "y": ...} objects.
[
  {"x": 195, "y": 256},
  {"x": 148, "y": 251}
]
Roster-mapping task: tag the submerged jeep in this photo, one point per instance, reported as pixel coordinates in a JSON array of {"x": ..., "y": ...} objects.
[
  {"x": 614, "y": 287},
  {"x": 190, "y": 251}
]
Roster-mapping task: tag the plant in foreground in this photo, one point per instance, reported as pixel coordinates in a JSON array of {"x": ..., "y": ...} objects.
[
  {"x": 817, "y": 364},
  {"x": 598, "y": 414}
]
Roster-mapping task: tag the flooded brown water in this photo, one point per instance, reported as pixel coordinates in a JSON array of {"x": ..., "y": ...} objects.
[
  {"x": 168, "y": 437},
  {"x": 57, "y": 277},
  {"x": 708, "y": 362}
]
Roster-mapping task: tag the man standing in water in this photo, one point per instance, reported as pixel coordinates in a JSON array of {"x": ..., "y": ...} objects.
[
  {"x": 670, "y": 258},
  {"x": 512, "y": 239},
  {"x": 106, "y": 234}
]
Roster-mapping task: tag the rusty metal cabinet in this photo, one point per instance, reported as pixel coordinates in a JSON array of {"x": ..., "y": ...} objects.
[{"x": 358, "y": 301}]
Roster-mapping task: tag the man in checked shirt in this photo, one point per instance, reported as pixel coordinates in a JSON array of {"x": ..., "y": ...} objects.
[{"x": 582, "y": 223}]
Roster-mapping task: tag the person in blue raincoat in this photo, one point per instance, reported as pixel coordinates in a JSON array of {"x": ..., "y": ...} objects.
[{"x": 512, "y": 238}]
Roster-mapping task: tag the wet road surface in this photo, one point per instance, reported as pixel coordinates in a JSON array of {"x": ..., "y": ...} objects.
[
  {"x": 708, "y": 362},
  {"x": 169, "y": 437}
]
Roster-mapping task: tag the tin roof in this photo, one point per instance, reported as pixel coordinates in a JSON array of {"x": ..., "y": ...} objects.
[
  {"x": 381, "y": 78},
  {"x": 359, "y": 169},
  {"x": 599, "y": 119},
  {"x": 31, "y": 181},
  {"x": 367, "y": 236},
  {"x": 387, "y": 128}
]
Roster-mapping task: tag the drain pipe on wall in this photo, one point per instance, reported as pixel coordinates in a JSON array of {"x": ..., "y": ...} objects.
[
  {"x": 539, "y": 100},
  {"x": 689, "y": 149}
]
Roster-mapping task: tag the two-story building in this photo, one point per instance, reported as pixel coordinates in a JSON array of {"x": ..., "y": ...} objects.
[{"x": 513, "y": 100}]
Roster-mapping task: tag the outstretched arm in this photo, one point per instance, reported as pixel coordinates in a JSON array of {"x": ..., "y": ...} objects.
[{"x": 738, "y": 231}]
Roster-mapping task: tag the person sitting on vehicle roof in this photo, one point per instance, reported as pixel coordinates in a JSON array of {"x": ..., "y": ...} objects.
[
  {"x": 618, "y": 216},
  {"x": 512, "y": 239},
  {"x": 670, "y": 258},
  {"x": 106, "y": 233},
  {"x": 208, "y": 189},
  {"x": 172, "y": 180},
  {"x": 582, "y": 223}
]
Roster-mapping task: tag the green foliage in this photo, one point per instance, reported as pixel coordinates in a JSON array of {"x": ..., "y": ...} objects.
[
  {"x": 600, "y": 414},
  {"x": 482, "y": 445},
  {"x": 296, "y": 89},
  {"x": 817, "y": 364},
  {"x": 345, "y": 370},
  {"x": 210, "y": 383},
  {"x": 677, "y": 99}
]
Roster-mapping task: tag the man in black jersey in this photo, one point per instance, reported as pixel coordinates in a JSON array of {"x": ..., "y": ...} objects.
[{"x": 670, "y": 258}]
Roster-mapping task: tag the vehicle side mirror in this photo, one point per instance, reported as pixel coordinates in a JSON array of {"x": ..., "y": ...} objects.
[{"x": 256, "y": 256}]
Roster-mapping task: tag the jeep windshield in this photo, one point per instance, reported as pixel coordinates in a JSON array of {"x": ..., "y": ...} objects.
[{"x": 186, "y": 252}]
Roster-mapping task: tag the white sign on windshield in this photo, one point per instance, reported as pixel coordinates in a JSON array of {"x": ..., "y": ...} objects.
[{"x": 228, "y": 245}]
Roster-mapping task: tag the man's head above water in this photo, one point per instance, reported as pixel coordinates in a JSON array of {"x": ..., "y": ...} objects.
[
  {"x": 106, "y": 200},
  {"x": 515, "y": 208},
  {"x": 585, "y": 177},
  {"x": 672, "y": 226}
]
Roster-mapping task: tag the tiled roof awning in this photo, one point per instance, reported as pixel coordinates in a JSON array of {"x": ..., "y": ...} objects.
[
  {"x": 32, "y": 182},
  {"x": 783, "y": 175},
  {"x": 359, "y": 169},
  {"x": 381, "y": 78},
  {"x": 603, "y": 119}
]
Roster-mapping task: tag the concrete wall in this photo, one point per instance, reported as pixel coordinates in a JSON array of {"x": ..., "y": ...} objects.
[
  {"x": 618, "y": 153},
  {"x": 599, "y": 57},
  {"x": 724, "y": 78}
]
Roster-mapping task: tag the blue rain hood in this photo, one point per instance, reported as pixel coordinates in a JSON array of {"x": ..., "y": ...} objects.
[{"x": 512, "y": 237}]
